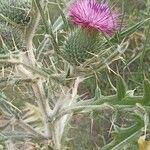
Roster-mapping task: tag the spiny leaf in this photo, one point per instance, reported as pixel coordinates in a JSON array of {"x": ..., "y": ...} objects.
[
  {"x": 122, "y": 136},
  {"x": 121, "y": 88},
  {"x": 133, "y": 28},
  {"x": 127, "y": 32},
  {"x": 48, "y": 27},
  {"x": 146, "y": 91}
]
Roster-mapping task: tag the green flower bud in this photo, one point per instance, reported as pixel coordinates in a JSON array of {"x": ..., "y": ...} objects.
[
  {"x": 82, "y": 44},
  {"x": 16, "y": 10}
]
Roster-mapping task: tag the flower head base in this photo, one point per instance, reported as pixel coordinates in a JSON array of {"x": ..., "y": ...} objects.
[{"x": 91, "y": 14}]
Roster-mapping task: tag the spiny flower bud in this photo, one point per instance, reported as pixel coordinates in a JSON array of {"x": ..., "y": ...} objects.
[
  {"x": 16, "y": 10},
  {"x": 91, "y": 17},
  {"x": 81, "y": 45}
]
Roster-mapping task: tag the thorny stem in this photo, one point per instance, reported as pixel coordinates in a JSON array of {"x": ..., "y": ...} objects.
[
  {"x": 59, "y": 124},
  {"x": 34, "y": 69},
  {"x": 30, "y": 59},
  {"x": 29, "y": 34}
]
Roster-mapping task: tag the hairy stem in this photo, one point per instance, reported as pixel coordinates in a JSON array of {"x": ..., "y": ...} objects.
[{"x": 29, "y": 59}]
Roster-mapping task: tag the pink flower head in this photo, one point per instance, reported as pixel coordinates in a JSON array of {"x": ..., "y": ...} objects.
[{"x": 91, "y": 14}]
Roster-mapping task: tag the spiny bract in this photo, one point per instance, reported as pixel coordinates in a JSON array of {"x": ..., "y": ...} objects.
[{"x": 80, "y": 46}]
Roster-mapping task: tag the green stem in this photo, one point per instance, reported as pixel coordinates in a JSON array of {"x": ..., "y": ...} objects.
[{"x": 48, "y": 28}]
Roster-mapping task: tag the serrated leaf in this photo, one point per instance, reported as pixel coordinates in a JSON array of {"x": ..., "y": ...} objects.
[
  {"x": 131, "y": 138},
  {"x": 122, "y": 136}
]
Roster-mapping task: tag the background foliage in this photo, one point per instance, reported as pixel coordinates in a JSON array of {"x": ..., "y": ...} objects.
[{"x": 107, "y": 109}]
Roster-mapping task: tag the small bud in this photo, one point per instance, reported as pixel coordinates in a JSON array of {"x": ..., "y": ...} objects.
[
  {"x": 16, "y": 10},
  {"x": 80, "y": 46}
]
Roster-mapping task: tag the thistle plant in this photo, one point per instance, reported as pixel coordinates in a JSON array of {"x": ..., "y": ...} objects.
[
  {"x": 92, "y": 17},
  {"x": 49, "y": 66}
]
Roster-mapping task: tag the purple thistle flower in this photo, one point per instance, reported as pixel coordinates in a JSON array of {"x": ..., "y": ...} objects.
[{"x": 91, "y": 14}]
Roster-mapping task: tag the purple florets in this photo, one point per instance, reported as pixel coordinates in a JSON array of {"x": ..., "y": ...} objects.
[{"x": 91, "y": 14}]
